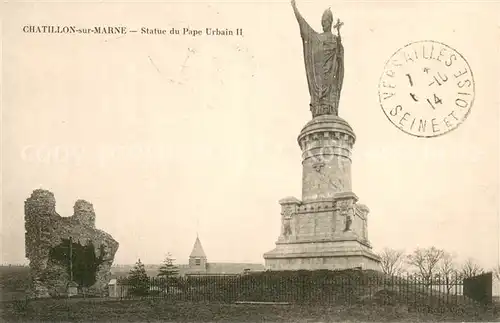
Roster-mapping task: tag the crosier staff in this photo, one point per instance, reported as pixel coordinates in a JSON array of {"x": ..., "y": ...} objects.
[
  {"x": 324, "y": 62},
  {"x": 337, "y": 26}
]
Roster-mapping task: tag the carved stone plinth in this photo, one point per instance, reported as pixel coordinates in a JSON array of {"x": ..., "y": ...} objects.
[{"x": 328, "y": 228}]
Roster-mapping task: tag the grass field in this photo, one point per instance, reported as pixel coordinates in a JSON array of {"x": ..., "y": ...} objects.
[
  {"x": 14, "y": 308},
  {"x": 100, "y": 310},
  {"x": 13, "y": 282}
]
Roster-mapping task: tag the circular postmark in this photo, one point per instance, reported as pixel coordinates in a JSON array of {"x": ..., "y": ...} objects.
[{"x": 426, "y": 89}]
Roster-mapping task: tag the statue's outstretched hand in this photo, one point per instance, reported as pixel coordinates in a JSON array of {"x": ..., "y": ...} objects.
[{"x": 293, "y": 3}]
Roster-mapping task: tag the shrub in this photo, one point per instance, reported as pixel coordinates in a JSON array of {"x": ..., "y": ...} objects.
[{"x": 138, "y": 280}]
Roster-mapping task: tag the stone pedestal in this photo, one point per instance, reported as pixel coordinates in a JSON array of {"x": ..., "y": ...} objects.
[{"x": 327, "y": 229}]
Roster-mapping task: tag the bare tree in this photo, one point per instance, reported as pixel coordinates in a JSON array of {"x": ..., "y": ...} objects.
[
  {"x": 447, "y": 271},
  {"x": 470, "y": 269},
  {"x": 496, "y": 272},
  {"x": 392, "y": 261},
  {"x": 426, "y": 260}
]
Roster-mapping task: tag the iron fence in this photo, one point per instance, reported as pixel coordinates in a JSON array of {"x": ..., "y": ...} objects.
[{"x": 303, "y": 287}]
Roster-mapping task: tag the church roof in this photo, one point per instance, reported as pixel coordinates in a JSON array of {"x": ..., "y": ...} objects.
[
  {"x": 222, "y": 268},
  {"x": 197, "y": 250},
  {"x": 232, "y": 268}
]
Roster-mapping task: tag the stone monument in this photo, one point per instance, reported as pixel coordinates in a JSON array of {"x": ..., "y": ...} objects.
[
  {"x": 66, "y": 253},
  {"x": 328, "y": 228}
]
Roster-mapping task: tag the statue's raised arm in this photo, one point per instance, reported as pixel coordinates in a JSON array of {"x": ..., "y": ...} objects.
[
  {"x": 324, "y": 62},
  {"x": 305, "y": 29}
]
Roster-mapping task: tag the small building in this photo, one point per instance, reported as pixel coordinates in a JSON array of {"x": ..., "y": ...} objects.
[
  {"x": 496, "y": 288},
  {"x": 117, "y": 290},
  {"x": 200, "y": 266},
  {"x": 72, "y": 289}
]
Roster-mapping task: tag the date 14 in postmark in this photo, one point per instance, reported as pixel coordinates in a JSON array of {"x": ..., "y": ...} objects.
[{"x": 426, "y": 89}]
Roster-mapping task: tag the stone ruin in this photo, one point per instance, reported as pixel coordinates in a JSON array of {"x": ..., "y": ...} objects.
[{"x": 48, "y": 238}]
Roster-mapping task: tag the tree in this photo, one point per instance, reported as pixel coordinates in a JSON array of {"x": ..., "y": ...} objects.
[
  {"x": 168, "y": 272},
  {"x": 425, "y": 260},
  {"x": 496, "y": 272},
  {"x": 470, "y": 269},
  {"x": 447, "y": 271},
  {"x": 392, "y": 261},
  {"x": 138, "y": 280},
  {"x": 168, "y": 269}
]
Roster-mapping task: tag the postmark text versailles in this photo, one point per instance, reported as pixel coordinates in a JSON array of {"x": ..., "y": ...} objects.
[{"x": 426, "y": 89}]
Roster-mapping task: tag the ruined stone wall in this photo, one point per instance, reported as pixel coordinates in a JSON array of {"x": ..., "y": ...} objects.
[{"x": 47, "y": 240}]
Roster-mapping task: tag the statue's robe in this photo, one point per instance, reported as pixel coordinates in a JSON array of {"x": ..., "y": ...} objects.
[{"x": 324, "y": 62}]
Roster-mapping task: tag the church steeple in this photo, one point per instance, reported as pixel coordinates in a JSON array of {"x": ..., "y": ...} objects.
[
  {"x": 198, "y": 258},
  {"x": 198, "y": 251}
]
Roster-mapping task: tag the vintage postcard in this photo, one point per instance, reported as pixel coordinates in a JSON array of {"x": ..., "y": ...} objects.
[{"x": 244, "y": 161}]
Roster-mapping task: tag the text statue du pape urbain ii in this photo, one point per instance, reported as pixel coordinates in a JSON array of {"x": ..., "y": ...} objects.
[{"x": 123, "y": 30}]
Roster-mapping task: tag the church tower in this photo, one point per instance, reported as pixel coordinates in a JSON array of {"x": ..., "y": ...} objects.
[{"x": 197, "y": 258}]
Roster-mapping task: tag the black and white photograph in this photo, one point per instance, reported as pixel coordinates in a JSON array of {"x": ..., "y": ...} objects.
[{"x": 250, "y": 161}]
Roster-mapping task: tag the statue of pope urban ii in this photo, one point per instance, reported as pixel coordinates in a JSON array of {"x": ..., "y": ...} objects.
[{"x": 324, "y": 61}]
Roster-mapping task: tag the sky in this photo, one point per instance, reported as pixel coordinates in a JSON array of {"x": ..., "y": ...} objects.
[{"x": 173, "y": 136}]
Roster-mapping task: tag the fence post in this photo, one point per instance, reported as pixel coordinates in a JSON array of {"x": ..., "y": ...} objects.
[
  {"x": 186, "y": 288},
  {"x": 294, "y": 279},
  {"x": 167, "y": 293},
  {"x": 406, "y": 289},
  {"x": 165, "y": 286},
  {"x": 342, "y": 279},
  {"x": 281, "y": 295},
  {"x": 440, "y": 284},
  {"x": 150, "y": 287},
  {"x": 300, "y": 289},
  {"x": 429, "y": 287},
  {"x": 387, "y": 288},
  {"x": 415, "y": 287},
  {"x": 233, "y": 286},
  {"x": 262, "y": 285},
  {"x": 392, "y": 287},
  {"x": 308, "y": 286},
  {"x": 370, "y": 286}
]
